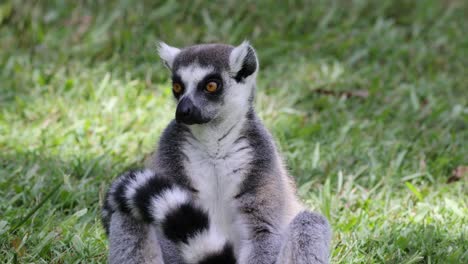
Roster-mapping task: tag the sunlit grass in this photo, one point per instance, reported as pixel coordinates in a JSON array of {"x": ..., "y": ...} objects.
[{"x": 83, "y": 97}]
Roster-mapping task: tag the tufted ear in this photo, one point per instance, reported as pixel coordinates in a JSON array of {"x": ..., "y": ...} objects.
[
  {"x": 243, "y": 61},
  {"x": 167, "y": 54}
]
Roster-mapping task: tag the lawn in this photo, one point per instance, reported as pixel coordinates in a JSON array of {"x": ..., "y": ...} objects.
[{"x": 368, "y": 102}]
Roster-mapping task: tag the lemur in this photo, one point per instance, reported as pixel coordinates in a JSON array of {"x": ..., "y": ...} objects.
[{"x": 216, "y": 190}]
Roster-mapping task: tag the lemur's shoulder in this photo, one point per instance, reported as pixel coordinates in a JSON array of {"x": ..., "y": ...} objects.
[
  {"x": 168, "y": 158},
  {"x": 258, "y": 136},
  {"x": 269, "y": 172}
]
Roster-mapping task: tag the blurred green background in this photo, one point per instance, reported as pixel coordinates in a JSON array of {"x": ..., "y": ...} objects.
[{"x": 366, "y": 99}]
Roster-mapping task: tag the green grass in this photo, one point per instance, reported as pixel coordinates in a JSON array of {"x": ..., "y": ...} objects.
[{"x": 83, "y": 96}]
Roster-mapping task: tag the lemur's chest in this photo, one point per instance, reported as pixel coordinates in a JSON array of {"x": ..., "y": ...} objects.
[{"x": 217, "y": 171}]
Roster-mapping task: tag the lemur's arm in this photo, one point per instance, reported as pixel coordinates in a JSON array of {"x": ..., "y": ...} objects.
[
  {"x": 149, "y": 197},
  {"x": 131, "y": 241},
  {"x": 304, "y": 240},
  {"x": 261, "y": 216},
  {"x": 281, "y": 233}
]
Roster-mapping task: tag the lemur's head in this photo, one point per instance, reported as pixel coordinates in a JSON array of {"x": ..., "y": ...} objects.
[{"x": 211, "y": 82}]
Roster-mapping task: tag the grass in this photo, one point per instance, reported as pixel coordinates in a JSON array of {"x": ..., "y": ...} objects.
[{"x": 83, "y": 96}]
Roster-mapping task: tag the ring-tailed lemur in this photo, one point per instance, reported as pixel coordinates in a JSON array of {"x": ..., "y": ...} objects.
[{"x": 217, "y": 190}]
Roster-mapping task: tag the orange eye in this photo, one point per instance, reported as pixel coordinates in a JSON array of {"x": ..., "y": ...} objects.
[
  {"x": 211, "y": 87},
  {"x": 177, "y": 88}
]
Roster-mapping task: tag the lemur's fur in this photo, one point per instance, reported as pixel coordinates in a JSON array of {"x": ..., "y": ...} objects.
[{"x": 216, "y": 190}]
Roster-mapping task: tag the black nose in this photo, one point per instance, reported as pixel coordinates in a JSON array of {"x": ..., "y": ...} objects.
[
  {"x": 188, "y": 113},
  {"x": 184, "y": 108}
]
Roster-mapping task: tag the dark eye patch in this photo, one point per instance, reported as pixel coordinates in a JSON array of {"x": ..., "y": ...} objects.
[
  {"x": 177, "y": 79},
  {"x": 212, "y": 77}
]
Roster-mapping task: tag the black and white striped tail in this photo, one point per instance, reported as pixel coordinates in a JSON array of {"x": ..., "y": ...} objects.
[{"x": 156, "y": 200}]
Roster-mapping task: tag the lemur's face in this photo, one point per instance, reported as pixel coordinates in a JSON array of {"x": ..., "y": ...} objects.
[{"x": 211, "y": 82}]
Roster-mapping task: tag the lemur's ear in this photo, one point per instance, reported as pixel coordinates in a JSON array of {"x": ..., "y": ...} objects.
[
  {"x": 243, "y": 61},
  {"x": 167, "y": 54}
]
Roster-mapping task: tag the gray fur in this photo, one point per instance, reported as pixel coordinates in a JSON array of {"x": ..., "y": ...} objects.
[
  {"x": 306, "y": 240},
  {"x": 278, "y": 230},
  {"x": 132, "y": 242},
  {"x": 169, "y": 250},
  {"x": 168, "y": 158},
  {"x": 215, "y": 55}
]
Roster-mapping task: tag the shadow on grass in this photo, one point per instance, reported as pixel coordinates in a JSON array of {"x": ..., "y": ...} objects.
[{"x": 33, "y": 184}]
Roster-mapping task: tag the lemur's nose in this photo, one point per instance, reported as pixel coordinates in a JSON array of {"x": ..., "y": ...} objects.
[
  {"x": 188, "y": 113},
  {"x": 185, "y": 107}
]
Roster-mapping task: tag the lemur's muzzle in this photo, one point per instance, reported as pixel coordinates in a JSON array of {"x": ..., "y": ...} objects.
[{"x": 188, "y": 113}]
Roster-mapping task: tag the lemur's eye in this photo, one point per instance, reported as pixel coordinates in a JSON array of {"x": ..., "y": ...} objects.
[
  {"x": 211, "y": 87},
  {"x": 177, "y": 88}
]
